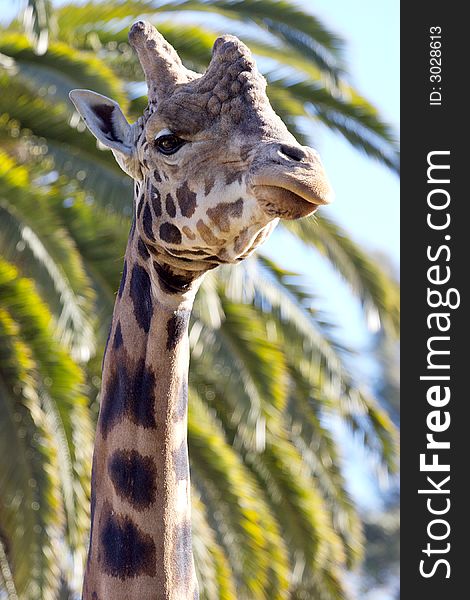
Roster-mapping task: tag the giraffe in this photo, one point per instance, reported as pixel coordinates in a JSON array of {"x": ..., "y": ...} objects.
[{"x": 214, "y": 170}]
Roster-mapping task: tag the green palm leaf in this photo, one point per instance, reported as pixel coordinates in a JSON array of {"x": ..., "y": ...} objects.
[
  {"x": 378, "y": 293},
  {"x": 63, "y": 67},
  {"x": 277, "y": 17},
  {"x": 38, "y": 19},
  {"x": 47, "y": 253},
  {"x": 211, "y": 563},
  {"x": 261, "y": 566},
  {"x": 47, "y": 426}
]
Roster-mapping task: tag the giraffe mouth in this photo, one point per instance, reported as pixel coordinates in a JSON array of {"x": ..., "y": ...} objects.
[
  {"x": 293, "y": 194},
  {"x": 280, "y": 202}
]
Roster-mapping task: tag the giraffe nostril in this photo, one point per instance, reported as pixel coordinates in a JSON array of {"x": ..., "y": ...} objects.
[{"x": 294, "y": 152}]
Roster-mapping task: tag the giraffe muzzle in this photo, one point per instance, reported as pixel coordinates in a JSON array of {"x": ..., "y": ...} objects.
[{"x": 290, "y": 181}]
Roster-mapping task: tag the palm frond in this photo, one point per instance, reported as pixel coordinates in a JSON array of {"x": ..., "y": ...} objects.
[
  {"x": 38, "y": 20},
  {"x": 346, "y": 112},
  {"x": 47, "y": 253},
  {"x": 55, "y": 403},
  {"x": 212, "y": 565},
  {"x": 284, "y": 20},
  {"x": 63, "y": 67},
  {"x": 7, "y": 583},
  {"x": 79, "y": 18},
  {"x": 289, "y": 491},
  {"x": 378, "y": 293},
  {"x": 263, "y": 563},
  {"x": 100, "y": 236}
]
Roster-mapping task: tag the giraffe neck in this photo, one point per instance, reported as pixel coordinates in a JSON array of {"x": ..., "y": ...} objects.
[{"x": 140, "y": 544}]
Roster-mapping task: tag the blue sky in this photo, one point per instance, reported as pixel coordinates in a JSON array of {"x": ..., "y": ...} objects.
[{"x": 366, "y": 193}]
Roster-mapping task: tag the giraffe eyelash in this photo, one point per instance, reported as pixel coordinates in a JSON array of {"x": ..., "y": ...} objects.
[
  {"x": 162, "y": 132},
  {"x": 167, "y": 142}
]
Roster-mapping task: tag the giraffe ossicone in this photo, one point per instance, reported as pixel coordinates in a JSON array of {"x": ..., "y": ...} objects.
[{"x": 214, "y": 169}]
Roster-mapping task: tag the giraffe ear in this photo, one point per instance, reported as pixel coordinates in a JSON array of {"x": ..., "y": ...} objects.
[{"x": 105, "y": 120}]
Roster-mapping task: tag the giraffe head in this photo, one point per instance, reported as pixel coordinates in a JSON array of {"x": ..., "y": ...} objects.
[{"x": 214, "y": 166}]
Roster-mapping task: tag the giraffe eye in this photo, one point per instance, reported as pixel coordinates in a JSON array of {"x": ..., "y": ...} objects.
[{"x": 169, "y": 143}]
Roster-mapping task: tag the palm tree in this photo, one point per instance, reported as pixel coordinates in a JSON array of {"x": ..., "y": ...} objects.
[
  {"x": 272, "y": 517},
  {"x": 381, "y": 565}
]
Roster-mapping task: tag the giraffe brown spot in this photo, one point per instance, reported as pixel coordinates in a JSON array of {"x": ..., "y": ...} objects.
[
  {"x": 213, "y": 258},
  {"x": 140, "y": 292},
  {"x": 208, "y": 184},
  {"x": 147, "y": 223},
  {"x": 223, "y": 255},
  {"x": 155, "y": 199},
  {"x": 236, "y": 243},
  {"x": 125, "y": 550},
  {"x": 186, "y": 200},
  {"x": 143, "y": 251},
  {"x": 182, "y": 552},
  {"x": 240, "y": 241},
  {"x": 206, "y": 233},
  {"x": 220, "y": 215},
  {"x": 170, "y": 282},
  {"x": 187, "y": 231},
  {"x": 245, "y": 152},
  {"x": 181, "y": 462},
  {"x": 170, "y": 206},
  {"x": 176, "y": 328},
  {"x": 233, "y": 175},
  {"x": 130, "y": 391},
  {"x": 185, "y": 259},
  {"x": 117, "y": 343},
  {"x": 123, "y": 280},
  {"x": 170, "y": 233},
  {"x": 133, "y": 477},
  {"x": 182, "y": 253},
  {"x": 140, "y": 206}
]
